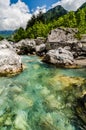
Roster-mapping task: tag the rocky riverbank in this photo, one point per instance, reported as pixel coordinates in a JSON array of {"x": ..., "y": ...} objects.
[{"x": 60, "y": 48}]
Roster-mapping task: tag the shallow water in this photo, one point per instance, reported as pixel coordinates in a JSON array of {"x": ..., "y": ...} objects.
[{"x": 40, "y": 98}]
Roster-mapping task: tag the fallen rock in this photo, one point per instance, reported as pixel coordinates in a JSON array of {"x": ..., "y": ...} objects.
[
  {"x": 25, "y": 46},
  {"x": 59, "y": 57},
  {"x": 61, "y": 37},
  {"x": 4, "y": 44},
  {"x": 40, "y": 40},
  {"x": 67, "y": 38},
  {"x": 10, "y": 62},
  {"x": 40, "y": 49}
]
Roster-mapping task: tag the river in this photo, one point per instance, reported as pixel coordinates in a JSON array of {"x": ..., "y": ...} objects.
[{"x": 41, "y": 97}]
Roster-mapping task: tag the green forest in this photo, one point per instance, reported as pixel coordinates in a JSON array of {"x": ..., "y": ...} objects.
[{"x": 40, "y": 26}]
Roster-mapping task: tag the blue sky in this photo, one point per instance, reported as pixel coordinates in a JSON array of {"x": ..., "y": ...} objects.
[
  {"x": 33, "y": 4},
  {"x": 16, "y": 13}
]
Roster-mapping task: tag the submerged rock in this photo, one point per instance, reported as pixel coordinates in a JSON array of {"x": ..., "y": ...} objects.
[
  {"x": 63, "y": 82},
  {"x": 46, "y": 122},
  {"x": 81, "y": 110},
  {"x": 20, "y": 122},
  {"x": 59, "y": 57},
  {"x": 10, "y": 62}
]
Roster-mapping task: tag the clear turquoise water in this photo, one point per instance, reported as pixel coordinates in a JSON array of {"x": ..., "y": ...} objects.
[{"x": 32, "y": 101}]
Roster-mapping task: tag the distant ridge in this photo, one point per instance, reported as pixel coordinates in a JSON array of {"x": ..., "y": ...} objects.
[
  {"x": 6, "y": 33},
  {"x": 82, "y": 6},
  {"x": 54, "y": 13}
]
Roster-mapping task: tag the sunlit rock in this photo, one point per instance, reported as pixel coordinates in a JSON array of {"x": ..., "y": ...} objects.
[
  {"x": 4, "y": 44},
  {"x": 10, "y": 62},
  {"x": 60, "y": 58}
]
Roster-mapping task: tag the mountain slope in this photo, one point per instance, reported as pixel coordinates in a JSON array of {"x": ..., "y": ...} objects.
[
  {"x": 83, "y": 6},
  {"x": 54, "y": 13}
]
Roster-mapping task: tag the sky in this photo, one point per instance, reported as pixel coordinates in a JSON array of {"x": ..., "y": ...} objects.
[{"x": 16, "y": 13}]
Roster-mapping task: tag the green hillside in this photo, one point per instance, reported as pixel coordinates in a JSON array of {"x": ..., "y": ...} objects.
[
  {"x": 39, "y": 27},
  {"x": 54, "y": 13},
  {"x": 82, "y": 6}
]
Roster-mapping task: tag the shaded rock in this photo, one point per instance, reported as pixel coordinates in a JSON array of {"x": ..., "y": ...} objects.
[
  {"x": 25, "y": 46},
  {"x": 40, "y": 49},
  {"x": 40, "y": 40},
  {"x": 59, "y": 57},
  {"x": 81, "y": 109},
  {"x": 10, "y": 62}
]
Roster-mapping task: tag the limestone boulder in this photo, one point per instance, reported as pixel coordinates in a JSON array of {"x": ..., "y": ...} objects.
[
  {"x": 59, "y": 57},
  {"x": 10, "y": 62},
  {"x": 25, "y": 46}
]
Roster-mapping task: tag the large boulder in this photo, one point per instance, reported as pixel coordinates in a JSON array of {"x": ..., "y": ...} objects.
[
  {"x": 59, "y": 57},
  {"x": 10, "y": 62},
  {"x": 40, "y": 40},
  {"x": 61, "y": 37},
  {"x": 25, "y": 46},
  {"x": 4, "y": 44},
  {"x": 67, "y": 37},
  {"x": 40, "y": 49}
]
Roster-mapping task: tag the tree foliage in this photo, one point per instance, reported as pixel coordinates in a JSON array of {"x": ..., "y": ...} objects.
[
  {"x": 1, "y": 38},
  {"x": 37, "y": 27}
]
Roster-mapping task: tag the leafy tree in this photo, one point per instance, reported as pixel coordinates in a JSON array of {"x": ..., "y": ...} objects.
[
  {"x": 1, "y": 38},
  {"x": 20, "y": 34},
  {"x": 31, "y": 22},
  {"x": 81, "y": 20}
]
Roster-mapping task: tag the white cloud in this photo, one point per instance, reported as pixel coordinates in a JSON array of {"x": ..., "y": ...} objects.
[
  {"x": 70, "y": 4},
  {"x": 13, "y": 16},
  {"x": 38, "y": 9}
]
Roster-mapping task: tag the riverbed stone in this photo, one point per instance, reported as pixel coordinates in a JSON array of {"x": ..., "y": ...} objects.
[
  {"x": 59, "y": 57},
  {"x": 10, "y": 62}
]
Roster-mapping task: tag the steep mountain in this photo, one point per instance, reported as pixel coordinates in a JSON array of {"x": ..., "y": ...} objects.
[
  {"x": 82, "y": 6},
  {"x": 54, "y": 13}
]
